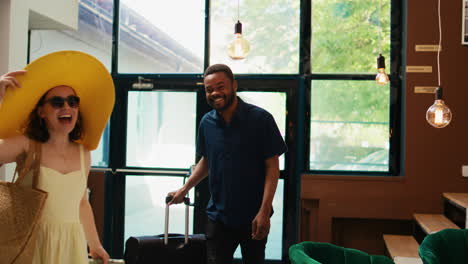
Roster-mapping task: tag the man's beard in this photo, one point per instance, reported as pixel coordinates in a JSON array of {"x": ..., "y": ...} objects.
[{"x": 227, "y": 102}]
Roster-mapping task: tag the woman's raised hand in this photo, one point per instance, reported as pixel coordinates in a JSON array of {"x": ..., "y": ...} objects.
[{"x": 9, "y": 80}]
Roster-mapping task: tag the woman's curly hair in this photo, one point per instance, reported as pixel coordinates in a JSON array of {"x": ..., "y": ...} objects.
[{"x": 36, "y": 127}]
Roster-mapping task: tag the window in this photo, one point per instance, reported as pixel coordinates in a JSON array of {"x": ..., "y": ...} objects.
[
  {"x": 312, "y": 65},
  {"x": 93, "y": 36},
  {"x": 349, "y": 126},
  {"x": 153, "y": 38},
  {"x": 161, "y": 129},
  {"x": 100, "y": 156},
  {"x": 350, "y": 120},
  {"x": 361, "y": 30},
  {"x": 145, "y": 206},
  {"x": 271, "y": 27},
  {"x": 275, "y": 104}
]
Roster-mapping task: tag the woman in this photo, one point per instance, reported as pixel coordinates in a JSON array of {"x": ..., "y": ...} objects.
[{"x": 54, "y": 102}]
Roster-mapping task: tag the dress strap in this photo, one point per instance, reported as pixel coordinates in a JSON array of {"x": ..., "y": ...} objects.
[{"x": 82, "y": 160}]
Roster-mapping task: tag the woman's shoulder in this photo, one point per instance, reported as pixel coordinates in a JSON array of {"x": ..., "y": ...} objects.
[
  {"x": 21, "y": 141},
  {"x": 86, "y": 152},
  {"x": 12, "y": 147},
  {"x": 83, "y": 147}
]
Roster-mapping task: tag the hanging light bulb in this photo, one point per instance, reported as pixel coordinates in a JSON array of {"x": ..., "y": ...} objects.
[
  {"x": 239, "y": 47},
  {"x": 382, "y": 77},
  {"x": 439, "y": 114}
]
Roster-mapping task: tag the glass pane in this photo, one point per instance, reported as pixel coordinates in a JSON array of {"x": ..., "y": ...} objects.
[
  {"x": 161, "y": 36},
  {"x": 275, "y": 238},
  {"x": 275, "y": 104},
  {"x": 349, "y": 126},
  {"x": 271, "y": 28},
  {"x": 347, "y": 36},
  {"x": 94, "y": 34},
  {"x": 145, "y": 206},
  {"x": 161, "y": 129},
  {"x": 100, "y": 156}
]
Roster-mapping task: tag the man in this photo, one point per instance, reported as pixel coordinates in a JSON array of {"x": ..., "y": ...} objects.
[{"x": 239, "y": 145}]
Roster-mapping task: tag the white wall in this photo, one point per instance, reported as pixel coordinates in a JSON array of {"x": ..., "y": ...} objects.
[
  {"x": 4, "y": 34},
  {"x": 16, "y": 18},
  {"x": 54, "y": 14}
]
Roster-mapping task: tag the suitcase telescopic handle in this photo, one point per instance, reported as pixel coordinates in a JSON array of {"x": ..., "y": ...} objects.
[{"x": 166, "y": 222}]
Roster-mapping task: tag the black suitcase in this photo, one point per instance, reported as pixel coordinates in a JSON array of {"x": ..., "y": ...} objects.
[{"x": 167, "y": 248}]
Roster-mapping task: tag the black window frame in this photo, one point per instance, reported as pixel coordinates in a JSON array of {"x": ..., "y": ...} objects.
[
  {"x": 298, "y": 124},
  {"x": 298, "y": 89},
  {"x": 396, "y": 87}
]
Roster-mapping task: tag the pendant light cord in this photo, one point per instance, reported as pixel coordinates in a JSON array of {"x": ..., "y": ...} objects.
[
  {"x": 380, "y": 26},
  {"x": 440, "y": 44},
  {"x": 238, "y": 11}
]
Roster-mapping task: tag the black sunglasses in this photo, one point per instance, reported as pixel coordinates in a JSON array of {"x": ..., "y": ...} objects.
[{"x": 57, "y": 102}]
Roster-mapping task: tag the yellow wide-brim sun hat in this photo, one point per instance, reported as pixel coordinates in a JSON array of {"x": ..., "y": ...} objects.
[{"x": 84, "y": 73}]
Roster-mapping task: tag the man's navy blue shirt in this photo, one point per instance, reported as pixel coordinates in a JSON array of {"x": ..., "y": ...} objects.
[{"x": 236, "y": 154}]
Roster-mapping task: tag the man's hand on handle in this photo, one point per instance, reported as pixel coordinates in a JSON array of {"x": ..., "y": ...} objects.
[{"x": 177, "y": 196}]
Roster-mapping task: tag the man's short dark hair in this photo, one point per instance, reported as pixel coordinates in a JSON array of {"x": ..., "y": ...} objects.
[{"x": 219, "y": 68}]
